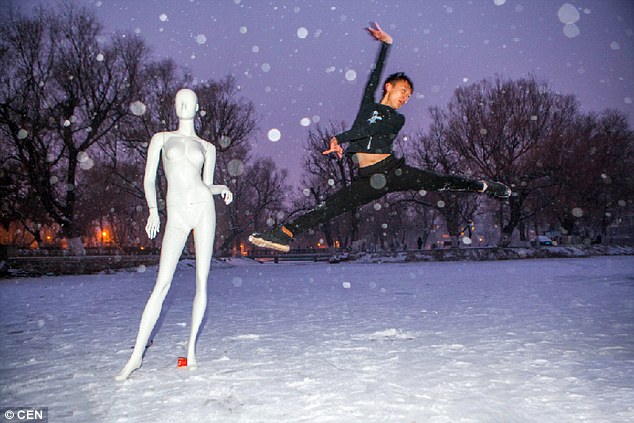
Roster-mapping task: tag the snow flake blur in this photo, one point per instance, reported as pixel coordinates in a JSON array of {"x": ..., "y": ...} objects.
[
  {"x": 378, "y": 181},
  {"x": 577, "y": 212},
  {"x": 225, "y": 141},
  {"x": 138, "y": 108},
  {"x": 302, "y": 33},
  {"x": 235, "y": 167},
  {"x": 274, "y": 135},
  {"x": 569, "y": 16}
]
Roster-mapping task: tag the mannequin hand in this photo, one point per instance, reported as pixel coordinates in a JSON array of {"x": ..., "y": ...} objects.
[
  {"x": 379, "y": 34},
  {"x": 224, "y": 192},
  {"x": 334, "y": 148},
  {"x": 153, "y": 223}
]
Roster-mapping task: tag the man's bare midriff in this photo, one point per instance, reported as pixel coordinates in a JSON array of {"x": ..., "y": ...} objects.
[{"x": 368, "y": 159}]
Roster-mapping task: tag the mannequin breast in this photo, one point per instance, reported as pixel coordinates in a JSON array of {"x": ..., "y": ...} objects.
[{"x": 183, "y": 160}]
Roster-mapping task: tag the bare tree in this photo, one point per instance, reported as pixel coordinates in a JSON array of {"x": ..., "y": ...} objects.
[
  {"x": 592, "y": 177},
  {"x": 259, "y": 190},
  {"x": 432, "y": 151},
  {"x": 63, "y": 90},
  {"x": 226, "y": 120},
  {"x": 497, "y": 127}
]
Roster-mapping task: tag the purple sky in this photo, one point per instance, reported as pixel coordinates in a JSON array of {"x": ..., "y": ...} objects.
[{"x": 307, "y": 61}]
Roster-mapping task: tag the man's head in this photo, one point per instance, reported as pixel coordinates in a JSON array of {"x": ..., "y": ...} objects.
[{"x": 396, "y": 90}]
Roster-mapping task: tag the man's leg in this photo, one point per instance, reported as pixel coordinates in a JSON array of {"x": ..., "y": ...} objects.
[
  {"x": 405, "y": 177},
  {"x": 358, "y": 193}
]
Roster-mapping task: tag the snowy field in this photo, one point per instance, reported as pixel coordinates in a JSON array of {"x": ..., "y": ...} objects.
[{"x": 505, "y": 341}]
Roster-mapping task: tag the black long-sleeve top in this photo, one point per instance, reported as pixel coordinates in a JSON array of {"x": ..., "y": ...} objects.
[{"x": 376, "y": 125}]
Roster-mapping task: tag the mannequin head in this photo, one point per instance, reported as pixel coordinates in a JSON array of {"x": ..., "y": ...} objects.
[{"x": 186, "y": 104}]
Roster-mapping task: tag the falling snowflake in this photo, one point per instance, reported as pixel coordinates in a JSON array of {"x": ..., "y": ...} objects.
[
  {"x": 274, "y": 135},
  {"x": 82, "y": 156},
  {"x": 568, "y": 14},
  {"x": 302, "y": 32},
  {"x": 225, "y": 141},
  {"x": 571, "y": 31},
  {"x": 235, "y": 167},
  {"x": 377, "y": 181},
  {"x": 138, "y": 108}
]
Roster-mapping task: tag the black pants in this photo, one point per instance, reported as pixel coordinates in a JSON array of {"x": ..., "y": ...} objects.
[{"x": 389, "y": 175}]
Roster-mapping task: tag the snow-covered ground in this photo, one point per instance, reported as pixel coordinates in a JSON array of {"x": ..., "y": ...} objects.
[{"x": 547, "y": 340}]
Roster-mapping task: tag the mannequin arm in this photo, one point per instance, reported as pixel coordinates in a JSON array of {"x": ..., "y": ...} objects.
[
  {"x": 208, "y": 175},
  {"x": 223, "y": 191},
  {"x": 149, "y": 184}
]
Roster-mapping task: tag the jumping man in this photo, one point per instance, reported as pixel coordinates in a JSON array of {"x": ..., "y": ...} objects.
[{"x": 370, "y": 140}]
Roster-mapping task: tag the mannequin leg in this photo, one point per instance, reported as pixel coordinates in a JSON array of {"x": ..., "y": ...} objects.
[
  {"x": 171, "y": 249},
  {"x": 204, "y": 233}
]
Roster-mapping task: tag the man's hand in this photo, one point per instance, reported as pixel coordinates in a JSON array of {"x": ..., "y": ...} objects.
[
  {"x": 334, "y": 148},
  {"x": 379, "y": 34}
]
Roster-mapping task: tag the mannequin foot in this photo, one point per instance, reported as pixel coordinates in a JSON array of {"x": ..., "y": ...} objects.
[
  {"x": 130, "y": 366},
  {"x": 192, "y": 364}
]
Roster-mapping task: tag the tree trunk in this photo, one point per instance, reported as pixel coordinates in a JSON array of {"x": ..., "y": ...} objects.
[{"x": 514, "y": 219}]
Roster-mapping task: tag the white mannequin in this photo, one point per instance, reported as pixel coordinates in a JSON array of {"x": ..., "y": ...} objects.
[{"x": 190, "y": 207}]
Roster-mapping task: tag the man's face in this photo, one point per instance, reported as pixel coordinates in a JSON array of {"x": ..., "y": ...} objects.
[{"x": 396, "y": 94}]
